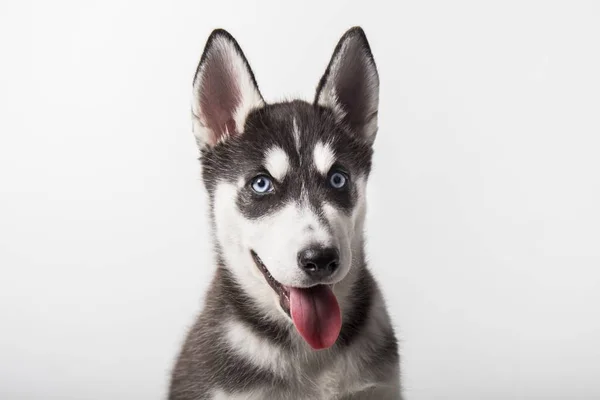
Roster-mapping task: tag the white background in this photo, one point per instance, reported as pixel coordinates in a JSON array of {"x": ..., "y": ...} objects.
[{"x": 484, "y": 224}]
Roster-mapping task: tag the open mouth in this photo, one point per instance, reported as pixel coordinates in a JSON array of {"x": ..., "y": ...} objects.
[
  {"x": 314, "y": 311},
  {"x": 282, "y": 291}
]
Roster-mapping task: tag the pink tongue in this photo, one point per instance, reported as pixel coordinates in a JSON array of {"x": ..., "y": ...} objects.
[{"x": 316, "y": 315}]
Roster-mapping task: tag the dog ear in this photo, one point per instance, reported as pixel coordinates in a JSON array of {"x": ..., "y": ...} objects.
[
  {"x": 350, "y": 85},
  {"x": 224, "y": 90}
]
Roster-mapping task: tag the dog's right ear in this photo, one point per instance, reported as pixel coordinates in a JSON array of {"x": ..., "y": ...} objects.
[{"x": 225, "y": 91}]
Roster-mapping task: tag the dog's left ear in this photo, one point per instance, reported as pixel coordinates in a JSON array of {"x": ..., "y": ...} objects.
[
  {"x": 350, "y": 85},
  {"x": 224, "y": 91}
]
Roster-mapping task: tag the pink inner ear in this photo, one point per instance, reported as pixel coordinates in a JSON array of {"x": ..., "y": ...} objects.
[{"x": 219, "y": 97}]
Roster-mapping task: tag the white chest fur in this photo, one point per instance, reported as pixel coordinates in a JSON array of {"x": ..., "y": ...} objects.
[{"x": 338, "y": 375}]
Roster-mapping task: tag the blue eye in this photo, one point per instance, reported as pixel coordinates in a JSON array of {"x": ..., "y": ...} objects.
[
  {"x": 338, "y": 180},
  {"x": 262, "y": 184}
]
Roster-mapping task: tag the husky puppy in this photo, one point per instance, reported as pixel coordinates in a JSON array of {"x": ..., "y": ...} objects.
[{"x": 293, "y": 312}]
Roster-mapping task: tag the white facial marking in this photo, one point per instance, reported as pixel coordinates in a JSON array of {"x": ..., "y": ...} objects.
[
  {"x": 323, "y": 157},
  {"x": 241, "y": 182},
  {"x": 276, "y": 238},
  {"x": 348, "y": 229},
  {"x": 360, "y": 209},
  {"x": 277, "y": 162},
  {"x": 296, "y": 132}
]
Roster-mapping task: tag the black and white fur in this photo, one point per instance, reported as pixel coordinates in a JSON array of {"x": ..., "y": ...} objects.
[{"x": 243, "y": 344}]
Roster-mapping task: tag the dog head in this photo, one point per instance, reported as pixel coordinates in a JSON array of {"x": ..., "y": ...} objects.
[{"x": 286, "y": 181}]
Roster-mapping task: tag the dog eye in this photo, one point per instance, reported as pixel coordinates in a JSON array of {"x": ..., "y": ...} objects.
[
  {"x": 262, "y": 184},
  {"x": 338, "y": 180}
]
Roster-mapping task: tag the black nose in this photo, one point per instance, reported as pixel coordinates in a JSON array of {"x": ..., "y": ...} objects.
[{"x": 319, "y": 262}]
